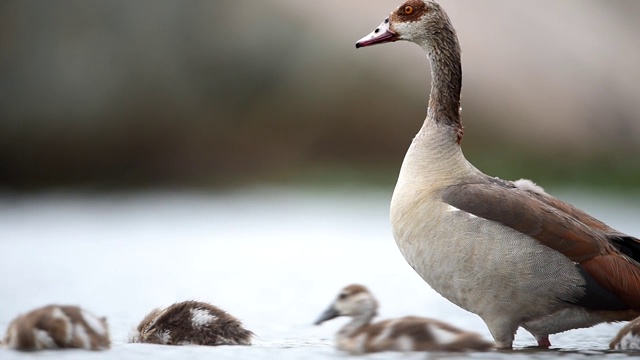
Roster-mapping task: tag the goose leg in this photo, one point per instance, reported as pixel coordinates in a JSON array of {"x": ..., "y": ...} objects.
[
  {"x": 543, "y": 341},
  {"x": 503, "y": 334},
  {"x": 542, "y": 337}
]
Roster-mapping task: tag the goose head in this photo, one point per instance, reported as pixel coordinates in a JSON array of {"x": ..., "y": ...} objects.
[
  {"x": 415, "y": 20},
  {"x": 426, "y": 24},
  {"x": 354, "y": 301}
]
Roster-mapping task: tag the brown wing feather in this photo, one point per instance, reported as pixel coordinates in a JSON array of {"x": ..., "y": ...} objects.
[
  {"x": 522, "y": 211},
  {"x": 558, "y": 225},
  {"x": 577, "y": 213},
  {"x": 615, "y": 274}
]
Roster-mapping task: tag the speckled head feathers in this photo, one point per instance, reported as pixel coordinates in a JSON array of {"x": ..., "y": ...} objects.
[{"x": 353, "y": 289}]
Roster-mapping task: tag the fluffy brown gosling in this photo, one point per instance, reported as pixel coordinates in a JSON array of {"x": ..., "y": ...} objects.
[
  {"x": 410, "y": 333},
  {"x": 628, "y": 337},
  {"x": 58, "y": 327},
  {"x": 191, "y": 323}
]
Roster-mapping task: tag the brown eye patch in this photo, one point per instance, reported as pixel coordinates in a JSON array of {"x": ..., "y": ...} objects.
[{"x": 410, "y": 11}]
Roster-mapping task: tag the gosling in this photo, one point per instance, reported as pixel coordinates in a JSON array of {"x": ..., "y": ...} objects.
[
  {"x": 628, "y": 337},
  {"x": 191, "y": 323},
  {"x": 409, "y": 333},
  {"x": 58, "y": 327}
]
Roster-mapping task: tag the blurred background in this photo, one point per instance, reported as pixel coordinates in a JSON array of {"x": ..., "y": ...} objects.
[
  {"x": 154, "y": 151},
  {"x": 160, "y": 93}
]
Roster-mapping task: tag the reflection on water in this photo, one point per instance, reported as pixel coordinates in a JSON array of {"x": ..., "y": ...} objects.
[{"x": 272, "y": 257}]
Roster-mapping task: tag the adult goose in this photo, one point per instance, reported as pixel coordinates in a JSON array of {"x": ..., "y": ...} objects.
[
  {"x": 409, "y": 333},
  {"x": 506, "y": 251}
]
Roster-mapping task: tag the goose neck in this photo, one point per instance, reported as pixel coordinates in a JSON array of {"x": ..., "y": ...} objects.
[
  {"x": 443, "y": 52},
  {"x": 355, "y": 324}
]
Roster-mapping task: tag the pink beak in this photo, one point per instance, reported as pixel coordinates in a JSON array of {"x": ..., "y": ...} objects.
[{"x": 382, "y": 34}]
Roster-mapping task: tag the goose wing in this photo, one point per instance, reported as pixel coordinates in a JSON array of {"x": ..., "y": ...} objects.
[{"x": 607, "y": 258}]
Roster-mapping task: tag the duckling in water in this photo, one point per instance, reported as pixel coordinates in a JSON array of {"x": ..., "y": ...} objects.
[
  {"x": 58, "y": 327},
  {"x": 191, "y": 323},
  {"x": 408, "y": 333},
  {"x": 628, "y": 337}
]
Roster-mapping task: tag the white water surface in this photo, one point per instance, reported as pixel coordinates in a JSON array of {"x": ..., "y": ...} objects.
[{"x": 273, "y": 257}]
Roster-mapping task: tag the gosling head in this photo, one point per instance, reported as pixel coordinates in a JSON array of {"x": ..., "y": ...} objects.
[
  {"x": 415, "y": 20},
  {"x": 353, "y": 300}
]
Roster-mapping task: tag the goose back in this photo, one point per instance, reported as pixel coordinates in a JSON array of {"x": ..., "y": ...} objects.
[{"x": 411, "y": 333}]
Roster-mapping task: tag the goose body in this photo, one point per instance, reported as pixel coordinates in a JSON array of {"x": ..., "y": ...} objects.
[
  {"x": 628, "y": 337},
  {"x": 57, "y": 327},
  {"x": 409, "y": 333},
  {"x": 191, "y": 323},
  {"x": 506, "y": 251}
]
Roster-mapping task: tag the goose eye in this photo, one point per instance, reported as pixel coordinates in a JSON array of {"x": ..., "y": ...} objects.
[{"x": 408, "y": 10}]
